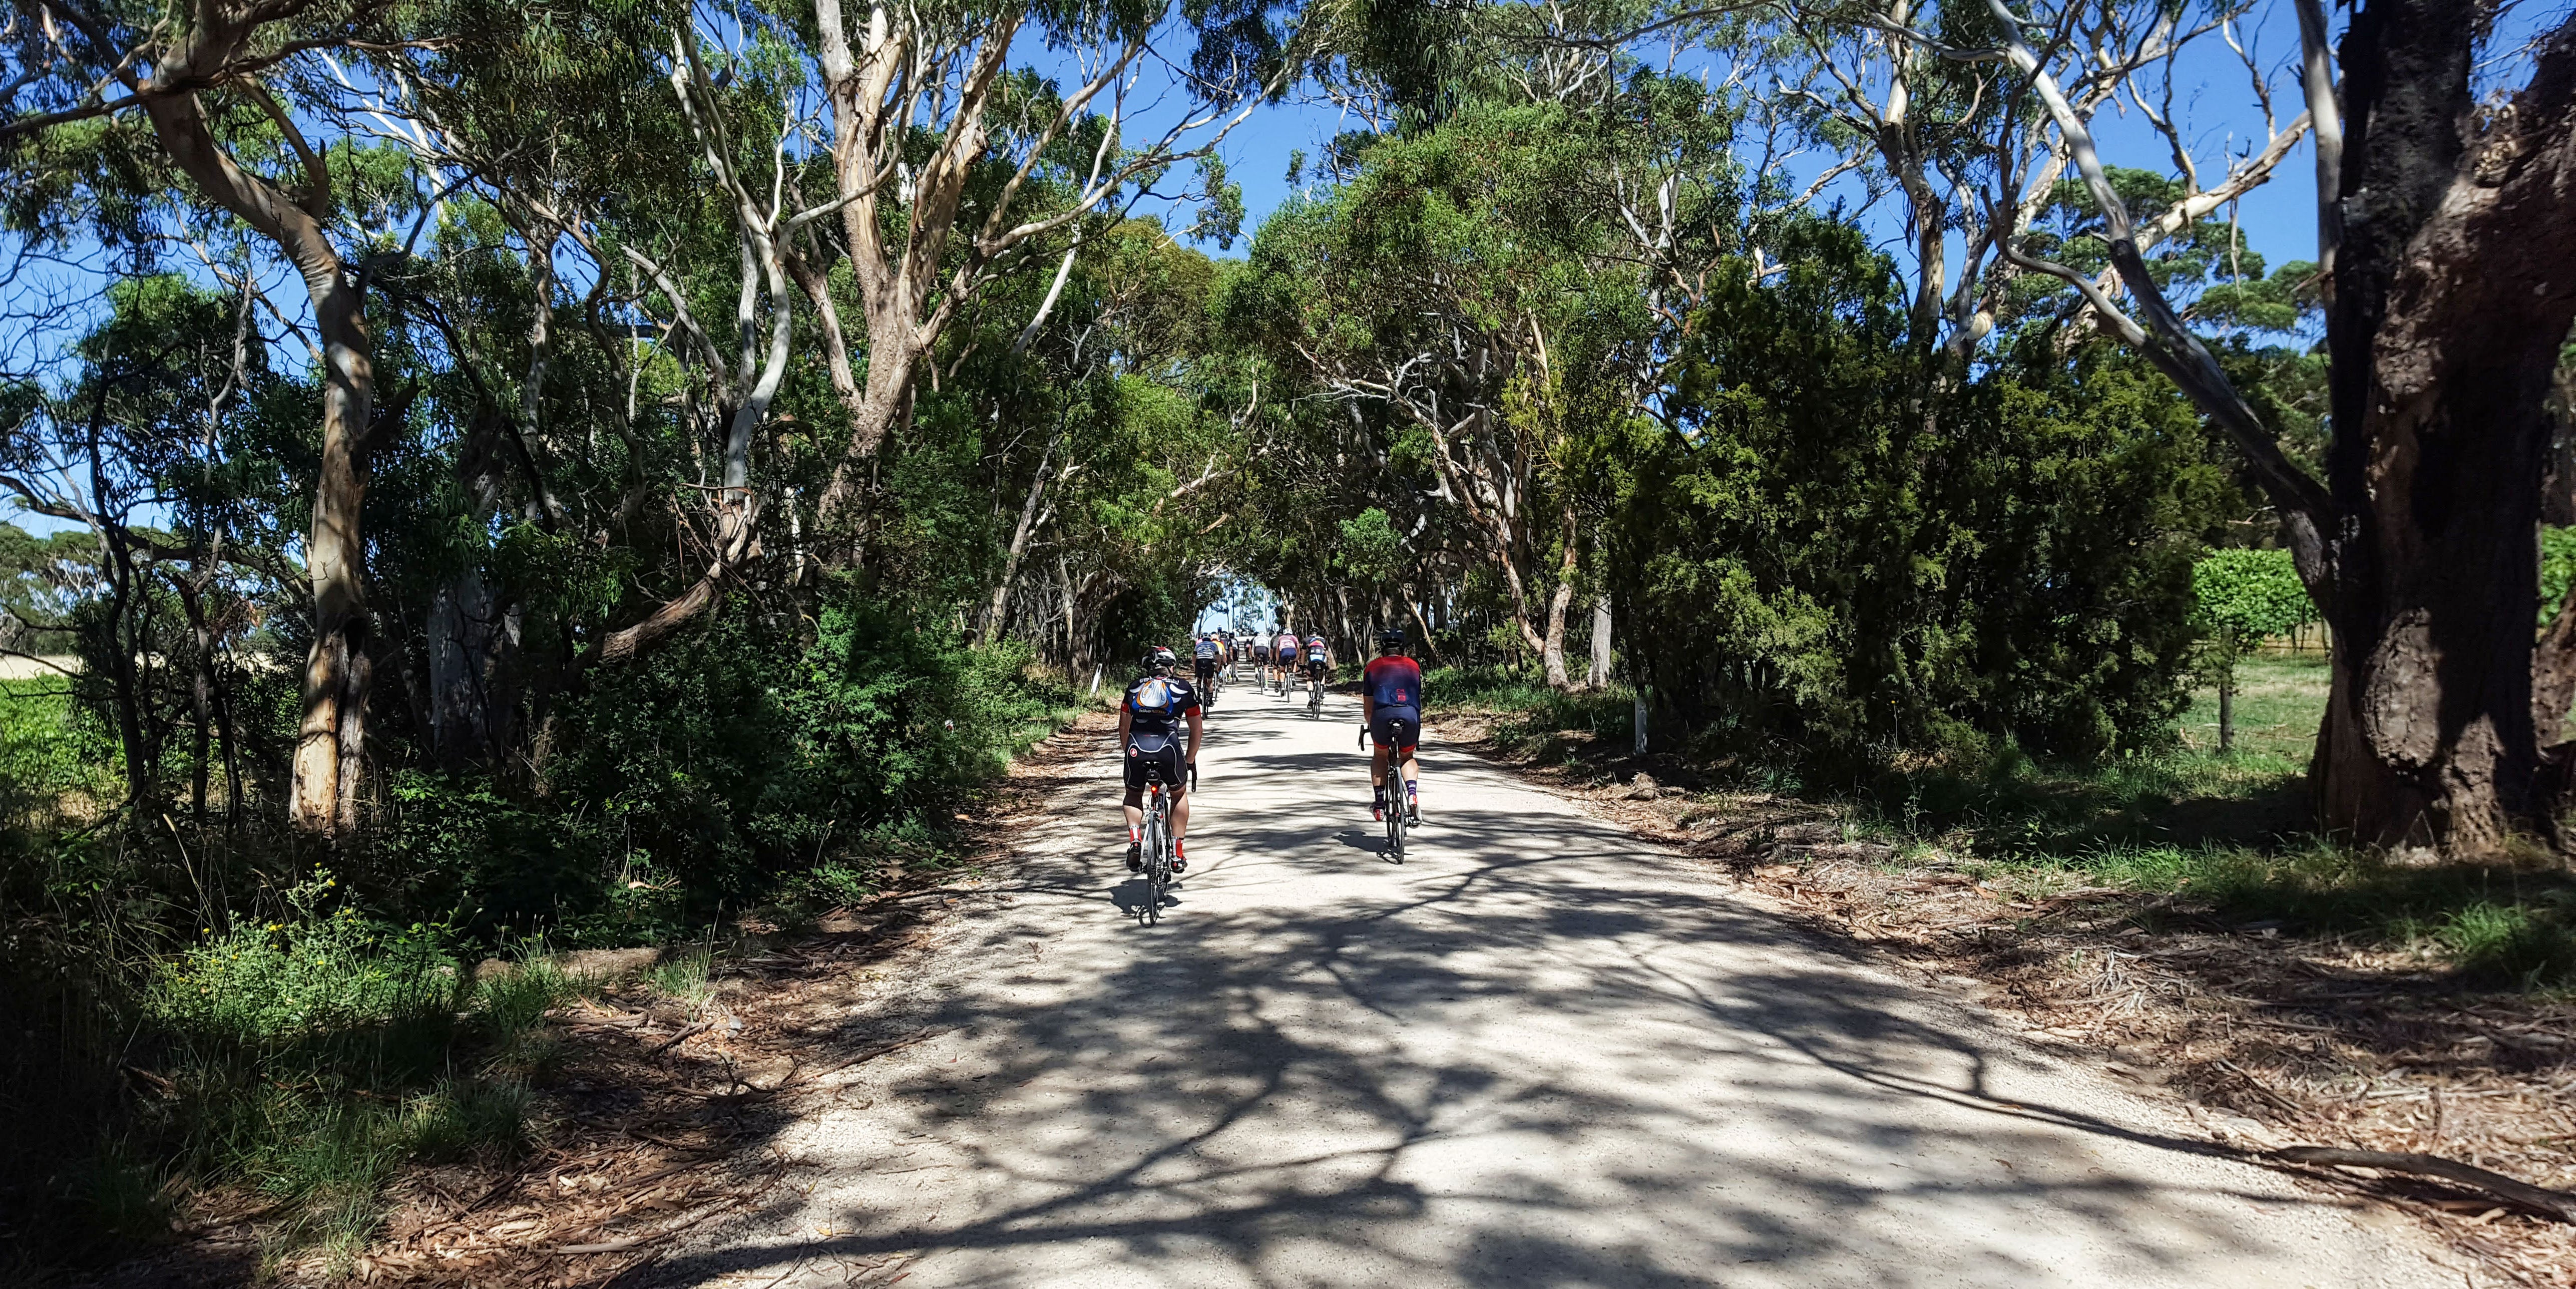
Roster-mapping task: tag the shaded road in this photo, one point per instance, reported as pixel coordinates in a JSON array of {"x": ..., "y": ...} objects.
[{"x": 1536, "y": 1054}]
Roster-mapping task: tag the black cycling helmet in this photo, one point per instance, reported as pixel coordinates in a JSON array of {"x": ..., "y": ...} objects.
[
  {"x": 1391, "y": 638},
  {"x": 1159, "y": 658}
]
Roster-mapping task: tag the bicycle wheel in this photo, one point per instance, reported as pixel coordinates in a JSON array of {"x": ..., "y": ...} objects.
[
  {"x": 1395, "y": 821},
  {"x": 1158, "y": 856}
]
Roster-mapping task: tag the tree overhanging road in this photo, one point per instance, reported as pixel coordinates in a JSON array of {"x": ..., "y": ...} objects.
[{"x": 1537, "y": 1053}]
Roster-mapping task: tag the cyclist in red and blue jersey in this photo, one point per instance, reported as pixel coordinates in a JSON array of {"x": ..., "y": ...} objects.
[{"x": 1391, "y": 696}]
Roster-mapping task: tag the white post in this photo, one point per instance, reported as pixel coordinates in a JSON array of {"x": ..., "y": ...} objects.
[
  {"x": 1095, "y": 681},
  {"x": 1641, "y": 720}
]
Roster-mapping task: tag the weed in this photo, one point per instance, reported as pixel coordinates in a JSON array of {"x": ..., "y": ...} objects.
[
  {"x": 683, "y": 978},
  {"x": 2508, "y": 943}
]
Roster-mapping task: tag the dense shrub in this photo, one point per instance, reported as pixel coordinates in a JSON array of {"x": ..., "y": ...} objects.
[{"x": 1815, "y": 564}]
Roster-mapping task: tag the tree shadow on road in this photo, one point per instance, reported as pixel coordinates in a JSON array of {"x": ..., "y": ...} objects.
[{"x": 1533, "y": 1058}]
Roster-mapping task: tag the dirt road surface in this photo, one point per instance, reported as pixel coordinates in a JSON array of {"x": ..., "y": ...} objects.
[{"x": 1537, "y": 1053}]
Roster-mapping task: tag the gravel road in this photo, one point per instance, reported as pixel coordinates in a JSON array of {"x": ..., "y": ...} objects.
[{"x": 1537, "y": 1053}]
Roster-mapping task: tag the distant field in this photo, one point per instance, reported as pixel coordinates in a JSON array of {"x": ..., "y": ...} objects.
[
  {"x": 2279, "y": 700},
  {"x": 21, "y": 667}
]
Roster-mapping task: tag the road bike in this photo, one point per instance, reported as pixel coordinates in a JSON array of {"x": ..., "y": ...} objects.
[
  {"x": 1398, "y": 803},
  {"x": 1158, "y": 848}
]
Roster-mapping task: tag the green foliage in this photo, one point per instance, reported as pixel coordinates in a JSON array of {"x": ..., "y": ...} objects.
[
  {"x": 1813, "y": 569},
  {"x": 2557, "y": 568},
  {"x": 1369, "y": 549},
  {"x": 2246, "y": 596},
  {"x": 316, "y": 972},
  {"x": 51, "y": 756}
]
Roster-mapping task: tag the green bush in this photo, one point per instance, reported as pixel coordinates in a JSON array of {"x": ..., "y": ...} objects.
[
  {"x": 1814, "y": 576},
  {"x": 733, "y": 766},
  {"x": 51, "y": 755}
]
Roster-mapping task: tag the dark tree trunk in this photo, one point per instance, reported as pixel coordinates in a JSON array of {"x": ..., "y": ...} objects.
[{"x": 2453, "y": 290}]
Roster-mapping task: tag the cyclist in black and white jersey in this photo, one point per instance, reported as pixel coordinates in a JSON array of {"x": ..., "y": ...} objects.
[
  {"x": 1150, "y": 719},
  {"x": 1205, "y": 656}
]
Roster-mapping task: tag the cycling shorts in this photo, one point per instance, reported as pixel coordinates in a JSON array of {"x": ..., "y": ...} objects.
[
  {"x": 1261, "y": 653},
  {"x": 1207, "y": 667},
  {"x": 1317, "y": 666},
  {"x": 1287, "y": 657},
  {"x": 1397, "y": 727},
  {"x": 1156, "y": 758}
]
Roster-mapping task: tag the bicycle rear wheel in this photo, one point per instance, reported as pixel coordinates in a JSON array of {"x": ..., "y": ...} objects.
[
  {"x": 1395, "y": 822},
  {"x": 1158, "y": 855}
]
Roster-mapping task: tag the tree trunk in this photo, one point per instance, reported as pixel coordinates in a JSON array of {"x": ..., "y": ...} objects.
[
  {"x": 2454, "y": 288},
  {"x": 1552, "y": 649},
  {"x": 2227, "y": 710},
  {"x": 1430, "y": 644},
  {"x": 331, "y": 736},
  {"x": 1600, "y": 673},
  {"x": 201, "y": 693},
  {"x": 991, "y": 625}
]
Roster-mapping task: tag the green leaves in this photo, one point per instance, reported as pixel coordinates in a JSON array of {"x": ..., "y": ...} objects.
[{"x": 2244, "y": 596}]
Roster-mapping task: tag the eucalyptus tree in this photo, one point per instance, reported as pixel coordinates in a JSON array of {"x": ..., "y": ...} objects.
[
  {"x": 1887, "y": 90},
  {"x": 1489, "y": 294},
  {"x": 923, "y": 115},
  {"x": 202, "y": 79}
]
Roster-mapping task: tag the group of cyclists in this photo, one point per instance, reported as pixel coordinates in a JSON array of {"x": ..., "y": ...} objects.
[
  {"x": 1278, "y": 660},
  {"x": 1162, "y": 704}
]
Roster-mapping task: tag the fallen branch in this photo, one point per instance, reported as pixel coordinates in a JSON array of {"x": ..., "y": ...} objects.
[
  {"x": 683, "y": 1036},
  {"x": 614, "y": 1246},
  {"x": 2539, "y": 1199},
  {"x": 868, "y": 1055}
]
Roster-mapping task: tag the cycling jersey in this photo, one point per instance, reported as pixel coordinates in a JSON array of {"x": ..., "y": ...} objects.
[
  {"x": 1394, "y": 681},
  {"x": 1206, "y": 648},
  {"x": 1314, "y": 648},
  {"x": 1287, "y": 646},
  {"x": 1158, "y": 704}
]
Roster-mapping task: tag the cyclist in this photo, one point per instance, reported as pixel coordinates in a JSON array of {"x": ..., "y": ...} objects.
[
  {"x": 1391, "y": 703},
  {"x": 1260, "y": 659},
  {"x": 1204, "y": 657},
  {"x": 1319, "y": 664},
  {"x": 1148, "y": 720},
  {"x": 1283, "y": 652}
]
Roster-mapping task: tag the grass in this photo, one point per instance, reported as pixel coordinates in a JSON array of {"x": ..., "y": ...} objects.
[
  {"x": 2227, "y": 833},
  {"x": 2279, "y": 699},
  {"x": 351, "y": 1054}
]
